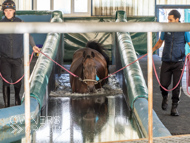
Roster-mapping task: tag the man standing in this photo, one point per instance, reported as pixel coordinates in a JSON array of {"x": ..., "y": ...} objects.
[
  {"x": 172, "y": 61},
  {"x": 11, "y": 52}
]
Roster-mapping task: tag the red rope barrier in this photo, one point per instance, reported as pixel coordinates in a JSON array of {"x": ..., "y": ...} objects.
[
  {"x": 124, "y": 67},
  {"x": 159, "y": 80},
  {"x": 59, "y": 64},
  {"x": 187, "y": 60},
  {"x": 187, "y": 73},
  {"x": 21, "y": 77}
]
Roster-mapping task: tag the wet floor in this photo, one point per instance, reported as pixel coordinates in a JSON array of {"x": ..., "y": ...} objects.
[
  {"x": 86, "y": 119},
  {"x": 82, "y": 118}
]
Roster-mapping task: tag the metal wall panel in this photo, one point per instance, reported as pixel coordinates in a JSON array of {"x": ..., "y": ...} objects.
[
  {"x": 132, "y": 7},
  {"x": 173, "y": 2}
]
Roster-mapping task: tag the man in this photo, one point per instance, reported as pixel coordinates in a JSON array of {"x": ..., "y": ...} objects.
[
  {"x": 11, "y": 52},
  {"x": 172, "y": 61}
]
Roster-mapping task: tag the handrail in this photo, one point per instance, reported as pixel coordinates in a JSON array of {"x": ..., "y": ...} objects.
[
  {"x": 67, "y": 27},
  {"x": 138, "y": 94}
]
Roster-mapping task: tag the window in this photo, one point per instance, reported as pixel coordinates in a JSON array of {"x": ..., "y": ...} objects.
[
  {"x": 80, "y": 5},
  {"x": 68, "y": 7},
  {"x": 63, "y": 5},
  {"x": 43, "y": 4}
]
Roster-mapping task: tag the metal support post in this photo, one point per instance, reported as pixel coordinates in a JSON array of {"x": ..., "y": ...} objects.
[
  {"x": 27, "y": 87},
  {"x": 150, "y": 88}
]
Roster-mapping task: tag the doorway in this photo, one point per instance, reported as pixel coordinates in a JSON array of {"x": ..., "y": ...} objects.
[{"x": 162, "y": 16}]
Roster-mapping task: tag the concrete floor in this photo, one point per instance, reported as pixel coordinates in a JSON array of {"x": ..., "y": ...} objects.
[{"x": 176, "y": 125}]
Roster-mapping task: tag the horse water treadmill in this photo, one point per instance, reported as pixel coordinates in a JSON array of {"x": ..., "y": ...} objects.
[{"x": 118, "y": 111}]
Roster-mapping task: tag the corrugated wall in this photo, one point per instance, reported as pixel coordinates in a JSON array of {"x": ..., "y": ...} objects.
[
  {"x": 132, "y": 7},
  {"x": 173, "y": 2},
  {"x": 24, "y": 4}
]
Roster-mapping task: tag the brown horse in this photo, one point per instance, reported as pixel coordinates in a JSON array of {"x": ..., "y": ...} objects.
[{"x": 88, "y": 64}]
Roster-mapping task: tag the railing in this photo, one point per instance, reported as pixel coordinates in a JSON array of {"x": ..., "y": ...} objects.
[
  {"x": 46, "y": 27},
  {"x": 93, "y": 27}
]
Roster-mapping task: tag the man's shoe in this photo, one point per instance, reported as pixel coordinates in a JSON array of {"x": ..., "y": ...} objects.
[
  {"x": 165, "y": 103},
  {"x": 174, "y": 111}
]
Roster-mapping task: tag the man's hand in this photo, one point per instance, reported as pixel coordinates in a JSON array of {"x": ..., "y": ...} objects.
[
  {"x": 157, "y": 45},
  {"x": 36, "y": 49}
]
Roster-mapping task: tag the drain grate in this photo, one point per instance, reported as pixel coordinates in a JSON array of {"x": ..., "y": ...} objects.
[
  {"x": 171, "y": 139},
  {"x": 175, "y": 134}
]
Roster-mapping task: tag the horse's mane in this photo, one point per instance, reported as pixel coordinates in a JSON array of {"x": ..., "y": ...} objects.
[{"x": 98, "y": 47}]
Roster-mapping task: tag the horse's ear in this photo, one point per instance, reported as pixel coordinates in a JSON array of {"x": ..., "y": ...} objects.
[
  {"x": 84, "y": 54},
  {"x": 92, "y": 54}
]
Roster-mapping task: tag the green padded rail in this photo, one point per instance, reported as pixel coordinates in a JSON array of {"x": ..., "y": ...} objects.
[
  {"x": 136, "y": 86},
  {"x": 39, "y": 81},
  {"x": 133, "y": 73},
  {"x": 43, "y": 67}
]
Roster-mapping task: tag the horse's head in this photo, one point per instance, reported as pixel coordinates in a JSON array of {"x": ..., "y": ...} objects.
[{"x": 89, "y": 70}]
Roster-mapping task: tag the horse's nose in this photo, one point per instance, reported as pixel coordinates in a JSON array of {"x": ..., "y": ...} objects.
[{"x": 91, "y": 88}]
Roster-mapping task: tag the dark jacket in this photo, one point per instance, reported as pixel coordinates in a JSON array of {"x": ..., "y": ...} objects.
[
  {"x": 11, "y": 45},
  {"x": 174, "y": 49}
]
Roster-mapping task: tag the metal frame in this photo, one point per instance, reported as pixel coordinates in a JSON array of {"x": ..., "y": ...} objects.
[
  {"x": 67, "y": 27},
  {"x": 83, "y": 28},
  {"x": 51, "y": 4},
  {"x": 150, "y": 87},
  {"x": 34, "y": 4},
  {"x": 27, "y": 87}
]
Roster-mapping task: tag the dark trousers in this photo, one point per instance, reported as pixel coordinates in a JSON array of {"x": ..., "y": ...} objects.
[
  {"x": 169, "y": 69},
  {"x": 11, "y": 70}
]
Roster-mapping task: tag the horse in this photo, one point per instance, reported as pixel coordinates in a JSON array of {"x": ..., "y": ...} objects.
[{"x": 90, "y": 65}]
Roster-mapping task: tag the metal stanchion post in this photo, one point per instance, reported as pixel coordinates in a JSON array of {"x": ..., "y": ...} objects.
[
  {"x": 27, "y": 87},
  {"x": 150, "y": 87}
]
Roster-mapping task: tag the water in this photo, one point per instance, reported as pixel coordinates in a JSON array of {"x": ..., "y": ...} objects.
[{"x": 82, "y": 118}]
